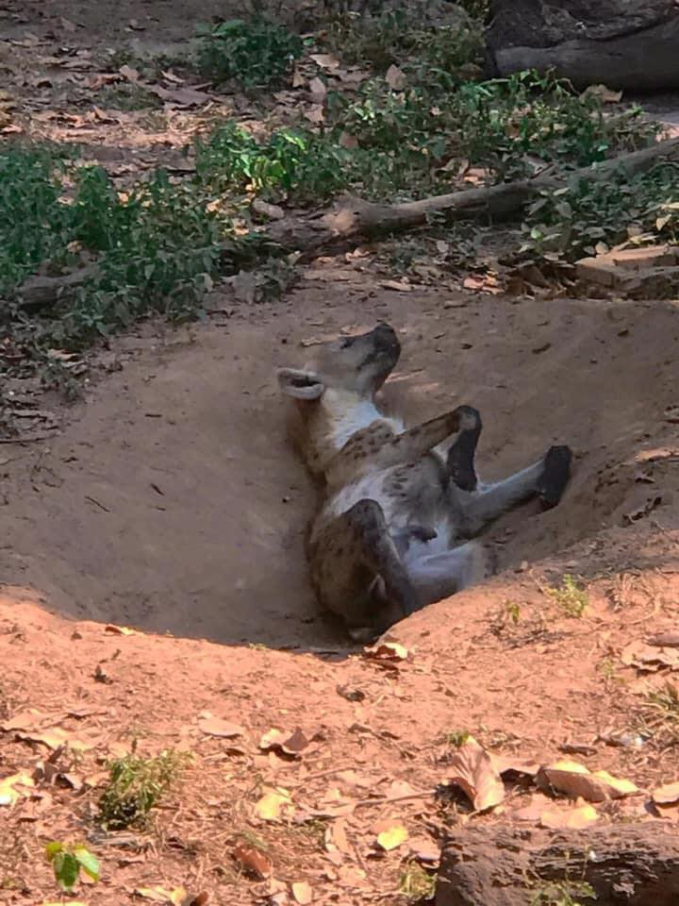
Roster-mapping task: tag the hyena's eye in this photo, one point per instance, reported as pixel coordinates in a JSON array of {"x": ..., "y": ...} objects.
[{"x": 347, "y": 342}]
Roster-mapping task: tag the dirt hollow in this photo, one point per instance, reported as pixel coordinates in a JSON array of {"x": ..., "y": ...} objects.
[{"x": 171, "y": 503}]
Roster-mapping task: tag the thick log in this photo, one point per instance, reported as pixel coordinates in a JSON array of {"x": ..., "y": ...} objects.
[
  {"x": 353, "y": 217},
  {"x": 625, "y": 44},
  {"x": 631, "y": 864}
]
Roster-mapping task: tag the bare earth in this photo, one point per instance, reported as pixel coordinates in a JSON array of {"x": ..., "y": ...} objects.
[{"x": 170, "y": 502}]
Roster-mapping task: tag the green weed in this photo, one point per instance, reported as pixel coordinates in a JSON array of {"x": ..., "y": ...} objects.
[
  {"x": 68, "y": 861},
  {"x": 254, "y": 53},
  {"x": 570, "y": 597},
  {"x": 416, "y": 884},
  {"x": 136, "y": 785}
]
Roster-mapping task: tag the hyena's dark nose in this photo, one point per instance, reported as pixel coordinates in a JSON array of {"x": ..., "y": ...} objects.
[{"x": 385, "y": 336}]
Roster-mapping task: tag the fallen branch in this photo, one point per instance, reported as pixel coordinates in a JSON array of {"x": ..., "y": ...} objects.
[
  {"x": 353, "y": 217},
  {"x": 637, "y": 864},
  {"x": 40, "y": 292}
]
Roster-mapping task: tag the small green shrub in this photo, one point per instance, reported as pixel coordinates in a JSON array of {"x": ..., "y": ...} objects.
[
  {"x": 136, "y": 785},
  {"x": 593, "y": 215},
  {"x": 572, "y": 599},
  {"x": 254, "y": 53}
]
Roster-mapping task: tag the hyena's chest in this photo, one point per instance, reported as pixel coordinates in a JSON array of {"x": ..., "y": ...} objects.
[{"x": 410, "y": 494}]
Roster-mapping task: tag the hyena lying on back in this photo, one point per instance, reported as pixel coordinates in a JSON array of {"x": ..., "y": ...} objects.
[{"x": 398, "y": 502}]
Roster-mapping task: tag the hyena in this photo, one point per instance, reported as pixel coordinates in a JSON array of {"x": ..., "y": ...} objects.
[{"x": 399, "y": 504}]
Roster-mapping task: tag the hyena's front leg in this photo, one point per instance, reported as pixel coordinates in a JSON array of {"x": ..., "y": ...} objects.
[
  {"x": 377, "y": 447},
  {"x": 357, "y": 572}
]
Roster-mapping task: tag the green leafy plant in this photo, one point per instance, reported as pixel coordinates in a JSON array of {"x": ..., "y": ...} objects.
[
  {"x": 570, "y": 597},
  {"x": 68, "y": 860},
  {"x": 136, "y": 785},
  {"x": 254, "y": 53},
  {"x": 589, "y": 216}
]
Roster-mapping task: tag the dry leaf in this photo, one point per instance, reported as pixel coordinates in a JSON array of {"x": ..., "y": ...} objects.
[
  {"x": 289, "y": 744},
  {"x": 298, "y": 78},
  {"x": 396, "y": 78},
  {"x": 8, "y": 794},
  {"x": 576, "y": 781},
  {"x": 127, "y": 72},
  {"x": 23, "y": 721},
  {"x": 473, "y": 770},
  {"x": 253, "y": 860},
  {"x": 386, "y": 651},
  {"x": 325, "y": 60},
  {"x": 603, "y": 93},
  {"x": 649, "y": 658},
  {"x": 162, "y": 895},
  {"x": 224, "y": 729},
  {"x": 302, "y": 893},
  {"x": 425, "y": 850},
  {"x": 666, "y": 795},
  {"x": 574, "y": 818},
  {"x": 665, "y": 640},
  {"x": 391, "y": 834},
  {"x": 400, "y": 286},
  {"x": 272, "y": 804},
  {"x": 111, "y": 629},
  {"x": 337, "y": 836},
  {"x": 318, "y": 90},
  {"x": 508, "y": 765},
  {"x": 315, "y": 113}
]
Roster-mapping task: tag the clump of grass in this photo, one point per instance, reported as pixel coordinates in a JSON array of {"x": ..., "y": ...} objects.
[
  {"x": 136, "y": 785},
  {"x": 563, "y": 893},
  {"x": 570, "y": 597},
  {"x": 665, "y": 704},
  {"x": 456, "y": 738},
  {"x": 254, "y": 53},
  {"x": 392, "y": 38},
  {"x": 416, "y": 884}
]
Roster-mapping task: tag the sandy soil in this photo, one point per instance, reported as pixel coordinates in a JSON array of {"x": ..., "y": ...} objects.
[{"x": 170, "y": 501}]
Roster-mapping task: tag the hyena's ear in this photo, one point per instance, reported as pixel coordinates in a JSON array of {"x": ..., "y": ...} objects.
[{"x": 302, "y": 385}]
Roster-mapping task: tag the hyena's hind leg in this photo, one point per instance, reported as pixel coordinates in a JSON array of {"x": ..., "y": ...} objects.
[{"x": 357, "y": 571}]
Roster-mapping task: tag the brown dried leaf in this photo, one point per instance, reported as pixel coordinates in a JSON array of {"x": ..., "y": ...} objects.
[
  {"x": 576, "y": 781},
  {"x": 558, "y": 817},
  {"x": 289, "y": 744},
  {"x": 667, "y": 794},
  {"x": 396, "y": 78},
  {"x": 325, "y": 60},
  {"x": 473, "y": 770},
  {"x": 318, "y": 89},
  {"x": 253, "y": 860},
  {"x": 224, "y": 729},
  {"x": 302, "y": 893},
  {"x": 425, "y": 850},
  {"x": 25, "y": 720},
  {"x": 127, "y": 72},
  {"x": 315, "y": 113}
]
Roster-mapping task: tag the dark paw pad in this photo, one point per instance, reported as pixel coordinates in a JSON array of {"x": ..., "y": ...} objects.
[{"x": 554, "y": 476}]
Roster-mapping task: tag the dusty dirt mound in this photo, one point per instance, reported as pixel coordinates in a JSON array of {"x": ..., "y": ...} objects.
[{"x": 171, "y": 502}]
